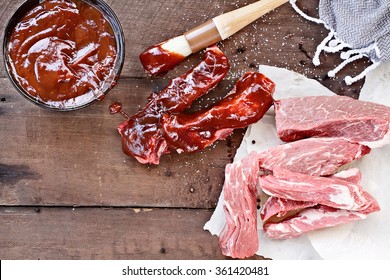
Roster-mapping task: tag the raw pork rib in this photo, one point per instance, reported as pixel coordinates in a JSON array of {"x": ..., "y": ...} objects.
[
  {"x": 141, "y": 133},
  {"x": 246, "y": 103},
  {"x": 331, "y": 116},
  {"x": 313, "y": 156},
  {"x": 333, "y": 192},
  {"x": 314, "y": 218},
  {"x": 280, "y": 207},
  {"x": 238, "y": 238}
]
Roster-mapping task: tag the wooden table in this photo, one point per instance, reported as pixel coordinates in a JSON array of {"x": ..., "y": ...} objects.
[{"x": 66, "y": 189}]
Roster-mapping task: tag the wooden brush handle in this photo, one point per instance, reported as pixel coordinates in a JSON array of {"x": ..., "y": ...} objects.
[
  {"x": 231, "y": 22},
  {"x": 225, "y": 25}
]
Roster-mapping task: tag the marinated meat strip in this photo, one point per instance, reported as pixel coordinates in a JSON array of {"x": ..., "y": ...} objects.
[
  {"x": 314, "y": 218},
  {"x": 238, "y": 238},
  {"x": 141, "y": 133},
  {"x": 280, "y": 208},
  {"x": 247, "y": 102},
  {"x": 313, "y": 156},
  {"x": 333, "y": 192},
  {"x": 331, "y": 116}
]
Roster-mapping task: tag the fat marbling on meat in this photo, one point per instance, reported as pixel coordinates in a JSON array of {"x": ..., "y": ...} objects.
[
  {"x": 238, "y": 238},
  {"x": 313, "y": 218},
  {"x": 313, "y": 156},
  {"x": 331, "y": 116},
  {"x": 320, "y": 214},
  {"x": 329, "y": 191},
  {"x": 280, "y": 207}
]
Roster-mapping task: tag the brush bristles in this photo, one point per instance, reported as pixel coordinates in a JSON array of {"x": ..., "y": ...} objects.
[{"x": 178, "y": 45}]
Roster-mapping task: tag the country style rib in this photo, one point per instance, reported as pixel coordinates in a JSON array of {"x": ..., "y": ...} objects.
[
  {"x": 245, "y": 104},
  {"x": 313, "y": 156},
  {"x": 333, "y": 192},
  {"x": 314, "y": 218},
  {"x": 141, "y": 133},
  {"x": 331, "y": 116},
  {"x": 238, "y": 238},
  {"x": 280, "y": 208}
]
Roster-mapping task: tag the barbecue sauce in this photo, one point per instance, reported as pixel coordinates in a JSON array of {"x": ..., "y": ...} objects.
[
  {"x": 157, "y": 61},
  {"x": 115, "y": 108},
  {"x": 61, "y": 50},
  {"x": 247, "y": 103},
  {"x": 141, "y": 134}
]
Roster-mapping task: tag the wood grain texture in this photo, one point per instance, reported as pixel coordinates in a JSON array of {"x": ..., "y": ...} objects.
[
  {"x": 75, "y": 158},
  {"x": 66, "y": 233},
  {"x": 60, "y": 160}
]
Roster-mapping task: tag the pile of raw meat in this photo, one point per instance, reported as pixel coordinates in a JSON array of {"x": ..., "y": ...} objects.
[{"x": 299, "y": 185}]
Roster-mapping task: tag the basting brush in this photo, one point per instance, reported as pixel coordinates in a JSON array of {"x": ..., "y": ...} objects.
[{"x": 162, "y": 57}]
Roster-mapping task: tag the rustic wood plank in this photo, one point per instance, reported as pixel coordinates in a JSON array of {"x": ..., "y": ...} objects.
[
  {"x": 75, "y": 158},
  {"x": 81, "y": 233}
]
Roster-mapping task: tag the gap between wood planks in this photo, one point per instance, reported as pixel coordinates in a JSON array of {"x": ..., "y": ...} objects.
[{"x": 102, "y": 207}]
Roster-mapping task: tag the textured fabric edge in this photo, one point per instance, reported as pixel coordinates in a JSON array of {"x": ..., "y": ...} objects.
[{"x": 332, "y": 44}]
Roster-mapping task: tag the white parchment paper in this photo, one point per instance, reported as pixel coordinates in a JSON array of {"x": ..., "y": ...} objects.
[{"x": 366, "y": 239}]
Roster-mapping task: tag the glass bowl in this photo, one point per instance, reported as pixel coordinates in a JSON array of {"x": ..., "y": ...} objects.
[{"x": 82, "y": 100}]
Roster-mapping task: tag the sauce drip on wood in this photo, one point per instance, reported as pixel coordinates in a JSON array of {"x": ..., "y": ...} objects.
[
  {"x": 61, "y": 50},
  {"x": 115, "y": 108}
]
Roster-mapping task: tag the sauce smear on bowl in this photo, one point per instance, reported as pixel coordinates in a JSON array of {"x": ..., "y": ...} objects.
[{"x": 63, "y": 53}]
